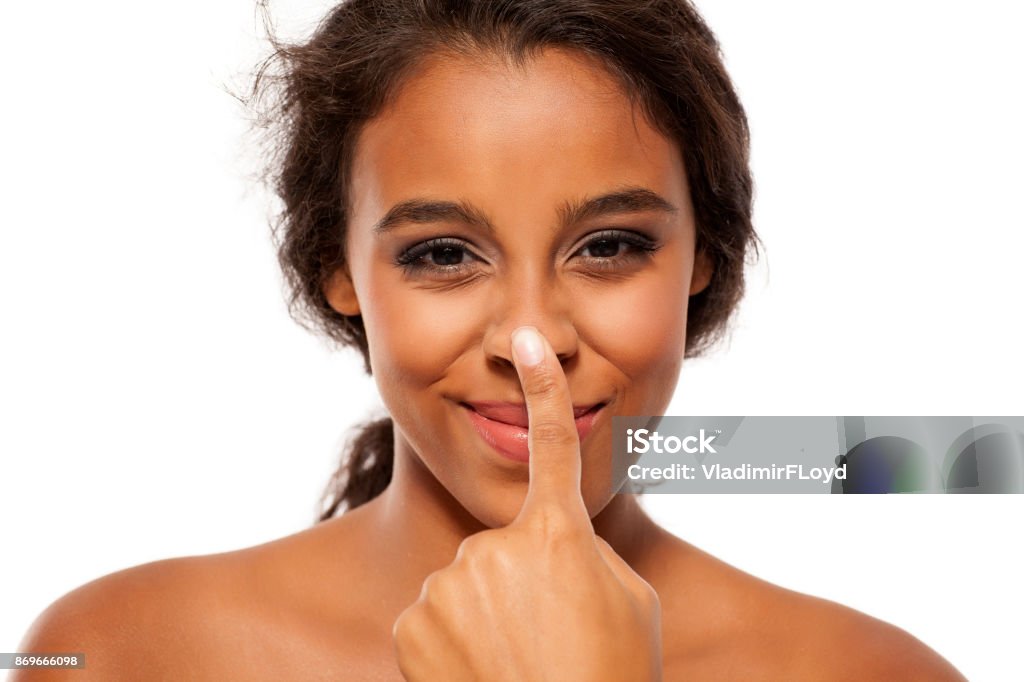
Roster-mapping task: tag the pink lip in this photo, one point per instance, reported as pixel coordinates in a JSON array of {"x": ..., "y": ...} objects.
[{"x": 504, "y": 426}]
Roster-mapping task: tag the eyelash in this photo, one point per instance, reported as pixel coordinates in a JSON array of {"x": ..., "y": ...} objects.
[{"x": 413, "y": 259}]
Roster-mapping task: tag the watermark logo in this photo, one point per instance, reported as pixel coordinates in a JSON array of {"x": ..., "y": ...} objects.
[
  {"x": 642, "y": 441},
  {"x": 837, "y": 455}
]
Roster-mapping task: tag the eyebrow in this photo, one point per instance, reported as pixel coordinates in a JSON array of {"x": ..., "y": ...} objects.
[
  {"x": 630, "y": 200},
  {"x": 425, "y": 211}
]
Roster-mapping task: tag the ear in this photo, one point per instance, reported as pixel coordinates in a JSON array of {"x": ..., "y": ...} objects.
[
  {"x": 702, "y": 271},
  {"x": 341, "y": 293}
]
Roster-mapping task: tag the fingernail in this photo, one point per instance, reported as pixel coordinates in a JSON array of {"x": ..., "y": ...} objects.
[{"x": 527, "y": 346}]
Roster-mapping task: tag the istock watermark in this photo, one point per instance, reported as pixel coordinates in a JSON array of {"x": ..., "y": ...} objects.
[
  {"x": 647, "y": 441},
  {"x": 837, "y": 455},
  {"x": 636, "y": 472}
]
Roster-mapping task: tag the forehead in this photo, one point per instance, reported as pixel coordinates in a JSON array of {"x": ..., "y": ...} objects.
[{"x": 518, "y": 140}]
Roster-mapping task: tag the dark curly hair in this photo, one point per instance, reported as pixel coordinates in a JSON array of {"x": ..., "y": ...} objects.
[{"x": 313, "y": 98}]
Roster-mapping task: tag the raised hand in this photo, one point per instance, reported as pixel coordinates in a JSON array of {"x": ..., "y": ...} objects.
[{"x": 543, "y": 598}]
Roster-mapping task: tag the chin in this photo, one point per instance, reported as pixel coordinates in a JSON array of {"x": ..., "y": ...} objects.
[
  {"x": 500, "y": 506},
  {"x": 495, "y": 511}
]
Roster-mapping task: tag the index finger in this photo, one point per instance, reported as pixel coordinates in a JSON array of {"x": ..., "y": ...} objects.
[{"x": 553, "y": 440}]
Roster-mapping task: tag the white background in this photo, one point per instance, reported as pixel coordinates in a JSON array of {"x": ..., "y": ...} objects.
[{"x": 156, "y": 400}]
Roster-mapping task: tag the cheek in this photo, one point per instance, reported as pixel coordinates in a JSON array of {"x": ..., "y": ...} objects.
[
  {"x": 415, "y": 336},
  {"x": 640, "y": 328}
]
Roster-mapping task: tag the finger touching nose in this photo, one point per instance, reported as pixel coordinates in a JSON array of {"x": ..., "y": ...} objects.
[
  {"x": 555, "y": 466},
  {"x": 544, "y": 310}
]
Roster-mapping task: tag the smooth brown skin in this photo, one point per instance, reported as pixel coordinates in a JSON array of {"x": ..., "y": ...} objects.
[
  {"x": 518, "y": 144},
  {"x": 536, "y": 594}
]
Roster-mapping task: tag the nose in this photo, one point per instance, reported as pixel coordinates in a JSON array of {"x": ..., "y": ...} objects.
[{"x": 538, "y": 303}]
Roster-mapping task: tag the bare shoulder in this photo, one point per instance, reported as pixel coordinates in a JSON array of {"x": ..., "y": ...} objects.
[
  {"x": 834, "y": 639},
  {"x": 723, "y": 623},
  {"x": 276, "y": 610},
  {"x": 133, "y": 622}
]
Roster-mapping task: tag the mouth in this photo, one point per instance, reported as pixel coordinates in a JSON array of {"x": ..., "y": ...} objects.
[{"x": 505, "y": 426}]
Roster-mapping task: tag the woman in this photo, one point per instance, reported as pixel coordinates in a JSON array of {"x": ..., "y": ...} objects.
[{"x": 525, "y": 214}]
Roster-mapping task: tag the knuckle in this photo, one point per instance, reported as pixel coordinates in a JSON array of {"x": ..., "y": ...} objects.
[
  {"x": 471, "y": 546},
  {"x": 541, "y": 381},
  {"x": 471, "y": 556},
  {"x": 557, "y": 526},
  {"x": 480, "y": 551},
  {"x": 406, "y": 625},
  {"x": 550, "y": 433},
  {"x": 413, "y": 641},
  {"x": 645, "y": 597},
  {"x": 434, "y": 589},
  {"x": 648, "y": 598},
  {"x": 603, "y": 544}
]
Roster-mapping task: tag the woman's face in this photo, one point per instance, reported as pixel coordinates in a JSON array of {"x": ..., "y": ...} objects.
[{"x": 488, "y": 196}]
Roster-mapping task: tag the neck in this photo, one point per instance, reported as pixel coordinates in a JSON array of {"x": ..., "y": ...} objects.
[{"x": 419, "y": 525}]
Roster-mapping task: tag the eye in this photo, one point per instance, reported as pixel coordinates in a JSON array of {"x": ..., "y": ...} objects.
[
  {"x": 603, "y": 248},
  {"x": 612, "y": 247},
  {"x": 449, "y": 257},
  {"x": 444, "y": 255}
]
